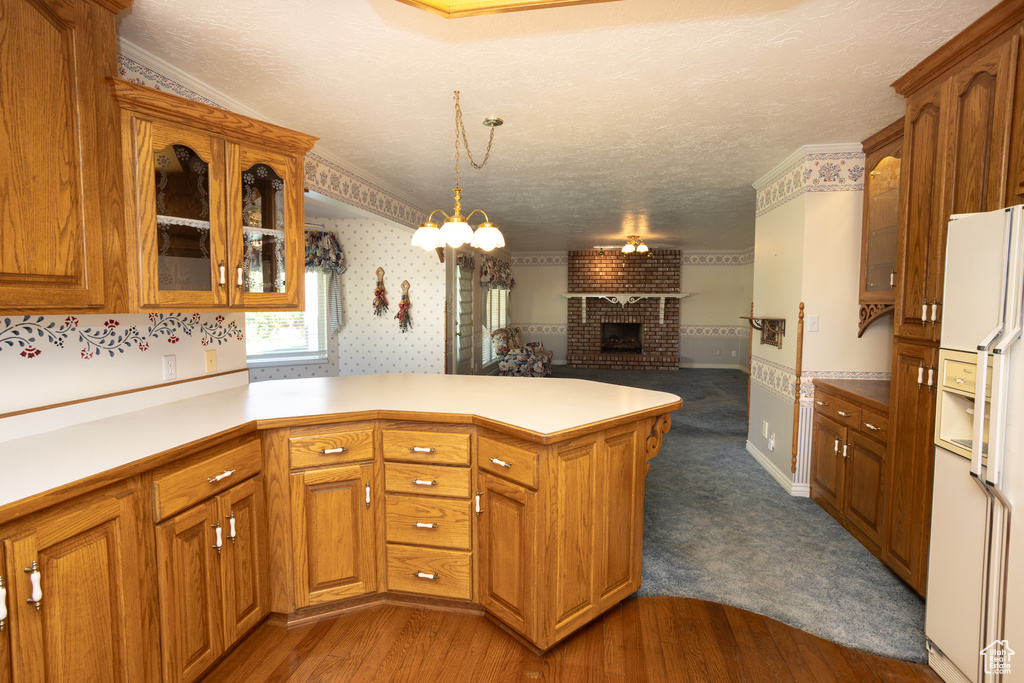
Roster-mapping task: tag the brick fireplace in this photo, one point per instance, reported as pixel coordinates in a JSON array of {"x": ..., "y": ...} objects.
[{"x": 590, "y": 273}]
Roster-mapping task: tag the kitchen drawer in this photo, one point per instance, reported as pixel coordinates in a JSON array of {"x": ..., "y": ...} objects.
[
  {"x": 506, "y": 458},
  {"x": 330, "y": 446},
  {"x": 426, "y": 480},
  {"x": 437, "y": 448},
  {"x": 177, "y": 487},
  {"x": 451, "y": 571},
  {"x": 846, "y": 412},
  {"x": 874, "y": 424},
  {"x": 418, "y": 520}
]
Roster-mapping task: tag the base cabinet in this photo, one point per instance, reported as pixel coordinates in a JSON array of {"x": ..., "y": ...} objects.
[
  {"x": 334, "y": 544},
  {"x": 508, "y": 545},
  {"x": 74, "y": 614},
  {"x": 212, "y": 578},
  {"x": 848, "y": 463}
]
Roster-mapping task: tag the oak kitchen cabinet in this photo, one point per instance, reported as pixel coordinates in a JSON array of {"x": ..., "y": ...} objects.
[
  {"x": 848, "y": 462},
  {"x": 73, "y": 590},
  {"x": 62, "y": 190},
  {"x": 211, "y": 556},
  {"x": 428, "y": 524},
  {"x": 883, "y": 153},
  {"x": 962, "y": 143},
  {"x": 213, "y": 205}
]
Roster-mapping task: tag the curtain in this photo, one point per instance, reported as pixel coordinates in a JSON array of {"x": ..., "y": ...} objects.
[
  {"x": 496, "y": 273},
  {"x": 324, "y": 255}
]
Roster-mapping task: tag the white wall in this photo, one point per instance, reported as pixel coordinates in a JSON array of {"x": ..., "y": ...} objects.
[
  {"x": 807, "y": 249},
  {"x": 46, "y": 360},
  {"x": 537, "y": 304}
]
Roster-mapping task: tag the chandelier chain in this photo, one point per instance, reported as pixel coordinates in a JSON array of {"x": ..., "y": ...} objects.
[{"x": 461, "y": 128}]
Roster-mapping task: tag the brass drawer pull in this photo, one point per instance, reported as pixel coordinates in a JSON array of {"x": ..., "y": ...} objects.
[
  {"x": 425, "y": 525},
  {"x": 501, "y": 463},
  {"x": 418, "y": 449},
  {"x": 872, "y": 427},
  {"x": 423, "y": 575},
  {"x": 331, "y": 451},
  {"x": 843, "y": 414},
  {"x": 821, "y": 403},
  {"x": 424, "y": 482}
]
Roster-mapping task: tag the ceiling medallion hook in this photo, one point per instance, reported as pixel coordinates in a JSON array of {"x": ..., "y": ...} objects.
[{"x": 456, "y": 230}]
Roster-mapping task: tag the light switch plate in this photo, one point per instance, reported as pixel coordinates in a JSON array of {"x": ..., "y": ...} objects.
[
  {"x": 211, "y": 360},
  {"x": 812, "y": 323}
]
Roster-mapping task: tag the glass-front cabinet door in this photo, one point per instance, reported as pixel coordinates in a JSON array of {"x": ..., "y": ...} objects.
[
  {"x": 883, "y": 153},
  {"x": 182, "y": 219},
  {"x": 268, "y": 257}
]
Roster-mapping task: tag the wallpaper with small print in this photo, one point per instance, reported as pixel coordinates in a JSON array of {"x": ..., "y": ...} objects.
[{"x": 368, "y": 343}]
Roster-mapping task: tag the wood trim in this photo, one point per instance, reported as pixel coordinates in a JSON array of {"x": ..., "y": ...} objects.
[
  {"x": 78, "y": 401},
  {"x": 799, "y": 369},
  {"x": 114, "y": 6},
  {"x": 988, "y": 27},
  {"x": 887, "y": 136},
  {"x": 221, "y": 122}
]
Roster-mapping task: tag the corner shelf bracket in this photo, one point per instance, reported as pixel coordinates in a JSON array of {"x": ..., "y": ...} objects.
[{"x": 772, "y": 329}]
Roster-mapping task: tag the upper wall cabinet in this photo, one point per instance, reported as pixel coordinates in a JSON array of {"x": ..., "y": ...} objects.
[
  {"x": 883, "y": 154},
  {"x": 960, "y": 109},
  {"x": 213, "y": 205},
  {"x": 58, "y": 154}
]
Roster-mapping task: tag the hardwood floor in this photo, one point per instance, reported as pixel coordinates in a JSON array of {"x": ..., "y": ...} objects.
[{"x": 642, "y": 639}]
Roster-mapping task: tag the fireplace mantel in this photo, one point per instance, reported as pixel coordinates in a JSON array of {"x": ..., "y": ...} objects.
[{"x": 625, "y": 298}]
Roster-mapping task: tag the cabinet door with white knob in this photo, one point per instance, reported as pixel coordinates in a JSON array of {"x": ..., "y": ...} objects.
[
  {"x": 243, "y": 558},
  {"x": 189, "y": 549},
  {"x": 73, "y": 594}
]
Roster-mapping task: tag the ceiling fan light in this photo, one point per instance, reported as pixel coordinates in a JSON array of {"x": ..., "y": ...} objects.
[
  {"x": 487, "y": 237},
  {"x": 456, "y": 233},
  {"x": 427, "y": 237}
]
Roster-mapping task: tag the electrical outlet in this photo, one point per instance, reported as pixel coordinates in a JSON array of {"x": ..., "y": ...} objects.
[
  {"x": 211, "y": 360},
  {"x": 718, "y": 352},
  {"x": 812, "y": 323},
  {"x": 733, "y": 354},
  {"x": 771, "y": 442},
  {"x": 764, "y": 428},
  {"x": 170, "y": 365}
]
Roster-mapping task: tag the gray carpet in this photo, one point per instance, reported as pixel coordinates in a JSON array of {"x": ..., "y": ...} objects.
[{"x": 718, "y": 527}]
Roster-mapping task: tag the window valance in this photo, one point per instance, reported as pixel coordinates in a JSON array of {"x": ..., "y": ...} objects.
[{"x": 496, "y": 273}]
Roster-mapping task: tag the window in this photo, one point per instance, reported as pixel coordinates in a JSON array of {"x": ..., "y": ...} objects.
[
  {"x": 290, "y": 338},
  {"x": 495, "y": 318}
]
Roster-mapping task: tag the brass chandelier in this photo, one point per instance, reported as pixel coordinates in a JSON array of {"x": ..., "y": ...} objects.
[
  {"x": 635, "y": 243},
  {"x": 456, "y": 230}
]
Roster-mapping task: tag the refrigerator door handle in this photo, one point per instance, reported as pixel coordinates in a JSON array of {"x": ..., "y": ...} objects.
[{"x": 978, "y": 431}]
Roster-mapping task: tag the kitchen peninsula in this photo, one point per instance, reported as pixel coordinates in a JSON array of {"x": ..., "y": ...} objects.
[{"x": 522, "y": 497}]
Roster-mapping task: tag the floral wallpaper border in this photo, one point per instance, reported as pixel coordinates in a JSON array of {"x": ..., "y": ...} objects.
[
  {"x": 819, "y": 172},
  {"x": 725, "y": 258},
  {"x": 714, "y": 330},
  {"x": 543, "y": 328},
  {"x": 30, "y": 335},
  {"x": 541, "y": 258},
  {"x": 773, "y": 377},
  {"x": 321, "y": 175}
]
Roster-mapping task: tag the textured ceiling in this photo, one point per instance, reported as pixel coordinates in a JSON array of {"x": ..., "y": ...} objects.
[{"x": 640, "y": 116}]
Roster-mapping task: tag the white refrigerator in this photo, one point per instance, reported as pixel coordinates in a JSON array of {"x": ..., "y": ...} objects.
[{"x": 975, "y": 597}]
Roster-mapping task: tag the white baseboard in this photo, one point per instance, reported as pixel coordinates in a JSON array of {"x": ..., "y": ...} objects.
[{"x": 796, "y": 490}]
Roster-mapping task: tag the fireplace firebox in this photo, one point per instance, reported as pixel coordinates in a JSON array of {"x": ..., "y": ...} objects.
[{"x": 622, "y": 338}]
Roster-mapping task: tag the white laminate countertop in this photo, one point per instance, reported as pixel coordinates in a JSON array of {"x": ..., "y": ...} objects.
[{"x": 39, "y": 463}]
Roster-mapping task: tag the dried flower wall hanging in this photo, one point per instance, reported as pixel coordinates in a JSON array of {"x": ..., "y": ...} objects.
[
  {"x": 404, "y": 320},
  {"x": 380, "y": 299}
]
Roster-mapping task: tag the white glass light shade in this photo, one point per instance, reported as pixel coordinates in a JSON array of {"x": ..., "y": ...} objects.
[
  {"x": 427, "y": 238},
  {"x": 487, "y": 237},
  {"x": 455, "y": 234},
  {"x": 628, "y": 248},
  {"x": 641, "y": 248}
]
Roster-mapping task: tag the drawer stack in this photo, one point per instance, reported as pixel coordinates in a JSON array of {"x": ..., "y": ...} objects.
[{"x": 428, "y": 516}]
